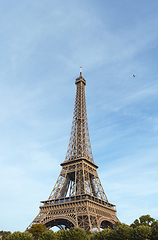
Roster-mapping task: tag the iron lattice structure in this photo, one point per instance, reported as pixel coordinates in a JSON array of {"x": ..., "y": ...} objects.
[{"x": 78, "y": 198}]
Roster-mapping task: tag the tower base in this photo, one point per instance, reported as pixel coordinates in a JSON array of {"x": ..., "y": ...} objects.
[{"x": 83, "y": 211}]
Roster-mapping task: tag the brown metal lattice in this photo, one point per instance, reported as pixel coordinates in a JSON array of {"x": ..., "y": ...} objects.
[{"x": 78, "y": 198}]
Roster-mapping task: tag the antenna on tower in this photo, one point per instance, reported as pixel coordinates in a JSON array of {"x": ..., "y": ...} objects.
[{"x": 80, "y": 71}]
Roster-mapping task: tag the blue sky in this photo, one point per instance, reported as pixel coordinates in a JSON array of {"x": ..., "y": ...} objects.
[{"x": 43, "y": 43}]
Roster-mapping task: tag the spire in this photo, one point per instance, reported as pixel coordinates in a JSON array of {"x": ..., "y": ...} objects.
[
  {"x": 79, "y": 143},
  {"x": 80, "y": 71}
]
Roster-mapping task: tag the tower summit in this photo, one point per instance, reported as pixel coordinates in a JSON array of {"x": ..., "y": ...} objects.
[
  {"x": 79, "y": 144},
  {"x": 78, "y": 198}
]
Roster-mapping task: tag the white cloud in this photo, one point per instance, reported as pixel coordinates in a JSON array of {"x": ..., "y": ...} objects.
[{"x": 43, "y": 44}]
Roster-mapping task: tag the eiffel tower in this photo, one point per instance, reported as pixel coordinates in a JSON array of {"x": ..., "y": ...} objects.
[{"x": 78, "y": 198}]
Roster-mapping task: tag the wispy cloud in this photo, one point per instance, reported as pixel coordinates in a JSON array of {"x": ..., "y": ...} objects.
[{"x": 43, "y": 44}]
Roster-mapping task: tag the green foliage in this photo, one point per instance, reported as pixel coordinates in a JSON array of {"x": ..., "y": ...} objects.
[
  {"x": 72, "y": 234},
  {"x": 105, "y": 234},
  {"x": 77, "y": 234},
  {"x": 20, "y": 236},
  {"x": 135, "y": 224},
  {"x": 37, "y": 230},
  {"x": 155, "y": 224},
  {"x": 62, "y": 235},
  {"x": 145, "y": 220},
  {"x": 122, "y": 232},
  {"x": 4, "y": 234},
  {"x": 142, "y": 232},
  {"x": 48, "y": 235},
  {"x": 154, "y": 229}
]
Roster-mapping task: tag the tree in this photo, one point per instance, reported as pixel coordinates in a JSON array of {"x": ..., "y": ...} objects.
[
  {"x": 143, "y": 220},
  {"x": 4, "y": 234},
  {"x": 19, "y": 236},
  {"x": 154, "y": 229},
  {"x": 122, "y": 232},
  {"x": 62, "y": 235},
  {"x": 135, "y": 224},
  {"x": 146, "y": 220},
  {"x": 37, "y": 230},
  {"x": 48, "y": 235},
  {"x": 105, "y": 234},
  {"x": 142, "y": 232},
  {"x": 77, "y": 234}
]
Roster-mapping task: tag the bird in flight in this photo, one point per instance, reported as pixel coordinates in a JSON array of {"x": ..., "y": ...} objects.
[{"x": 133, "y": 75}]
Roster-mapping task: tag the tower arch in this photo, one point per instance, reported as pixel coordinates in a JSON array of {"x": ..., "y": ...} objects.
[
  {"x": 62, "y": 222},
  {"x": 105, "y": 222}
]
